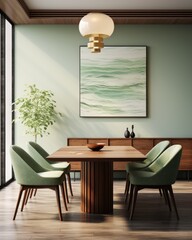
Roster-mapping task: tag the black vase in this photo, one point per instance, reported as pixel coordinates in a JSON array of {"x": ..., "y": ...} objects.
[
  {"x": 132, "y": 132},
  {"x": 127, "y": 133}
]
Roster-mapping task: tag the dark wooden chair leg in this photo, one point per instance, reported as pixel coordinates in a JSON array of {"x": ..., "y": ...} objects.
[
  {"x": 31, "y": 192},
  {"x": 69, "y": 182},
  {"x": 35, "y": 192},
  {"x": 63, "y": 195},
  {"x": 18, "y": 201},
  {"x": 135, "y": 191},
  {"x": 173, "y": 200},
  {"x": 58, "y": 202},
  {"x": 160, "y": 192},
  {"x": 130, "y": 197},
  {"x": 126, "y": 183},
  {"x": 166, "y": 196},
  {"x": 127, "y": 190},
  {"x": 65, "y": 187},
  {"x": 27, "y": 197},
  {"x": 24, "y": 199}
]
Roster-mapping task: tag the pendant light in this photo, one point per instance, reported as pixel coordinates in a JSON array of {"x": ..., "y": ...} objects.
[{"x": 96, "y": 26}]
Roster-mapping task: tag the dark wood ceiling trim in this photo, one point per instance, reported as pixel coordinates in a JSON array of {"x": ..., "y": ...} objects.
[
  {"x": 120, "y": 16},
  {"x": 19, "y": 13},
  {"x": 25, "y": 7},
  {"x": 112, "y": 13}
]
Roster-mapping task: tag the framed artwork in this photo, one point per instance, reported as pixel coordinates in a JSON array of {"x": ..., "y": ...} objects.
[{"x": 113, "y": 82}]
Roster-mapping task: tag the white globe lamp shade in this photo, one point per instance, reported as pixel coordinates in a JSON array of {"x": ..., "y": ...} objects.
[
  {"x": 96, "y": 26},
  {"x": 96, "y": 23}
]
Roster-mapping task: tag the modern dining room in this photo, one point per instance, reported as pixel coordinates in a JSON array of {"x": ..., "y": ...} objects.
[{"x": 96, "y": 139}]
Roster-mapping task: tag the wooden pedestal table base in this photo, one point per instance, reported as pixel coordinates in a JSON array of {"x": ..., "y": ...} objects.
[
  {"x": 97, "y": 173},
  {"x": 97, "y": 187}
]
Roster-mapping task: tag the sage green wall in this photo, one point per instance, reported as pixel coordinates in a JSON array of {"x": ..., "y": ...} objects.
[{"x": 48, "y": 55}]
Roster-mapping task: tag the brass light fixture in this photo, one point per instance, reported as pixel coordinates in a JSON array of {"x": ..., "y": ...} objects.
[{"x": 96, "y": 26}]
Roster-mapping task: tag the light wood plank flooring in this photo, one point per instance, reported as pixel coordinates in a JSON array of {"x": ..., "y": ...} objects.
[{"x": 152, "y": 219}]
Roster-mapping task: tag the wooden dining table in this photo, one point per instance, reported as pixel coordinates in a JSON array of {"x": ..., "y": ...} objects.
[{"x": 97, "y": 173}]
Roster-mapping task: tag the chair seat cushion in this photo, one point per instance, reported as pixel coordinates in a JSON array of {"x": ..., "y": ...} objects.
[
  {"x": 51, "y": 174},
  {"x": 50, "y": 178},
  {"x": 65, "y": 166}
]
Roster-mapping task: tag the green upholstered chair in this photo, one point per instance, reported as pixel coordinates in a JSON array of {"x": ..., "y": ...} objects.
[
  {"x": 161, "y": 174},
  {"x": 30, "y": 175},
  {"x": 150, "y": 158},
  {"x": 40, "y": 155}
]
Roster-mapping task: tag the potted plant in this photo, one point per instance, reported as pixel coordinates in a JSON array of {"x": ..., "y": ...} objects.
[{"x": 36, "y": 110}]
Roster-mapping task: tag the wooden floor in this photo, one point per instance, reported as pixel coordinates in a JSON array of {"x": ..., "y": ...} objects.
[{"x": 152, "y": 219}]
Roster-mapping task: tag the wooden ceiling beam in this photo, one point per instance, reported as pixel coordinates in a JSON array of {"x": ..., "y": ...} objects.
[{"x": 19, "y": 13}]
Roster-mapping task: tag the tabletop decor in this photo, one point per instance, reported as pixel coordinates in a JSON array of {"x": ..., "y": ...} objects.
[
  {"x": 113, "y": 83},
  {"x": 95, "y": 146}
]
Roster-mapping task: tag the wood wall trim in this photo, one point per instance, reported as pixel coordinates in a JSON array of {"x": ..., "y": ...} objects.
[{"x": 19, "y": 13}]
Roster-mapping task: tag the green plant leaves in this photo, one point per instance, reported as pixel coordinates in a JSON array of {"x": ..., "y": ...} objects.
[{"x": 36, "y": 110}]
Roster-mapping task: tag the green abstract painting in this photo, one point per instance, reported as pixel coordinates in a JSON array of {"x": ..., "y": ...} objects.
[{"x": 113, "y": 83}]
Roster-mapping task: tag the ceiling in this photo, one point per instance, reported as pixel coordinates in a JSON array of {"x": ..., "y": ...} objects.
[
  {"x": 101, "y": 4},
  {"x": 122, "y": 11}
]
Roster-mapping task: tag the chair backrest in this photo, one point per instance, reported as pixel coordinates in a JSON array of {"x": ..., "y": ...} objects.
[
  {"x": 24, "y": 167},
  {"x": 39, "y": 149},
  {"x": 155, "y": 152},
  {"x": 166, "y": 166},
  {"x": 39, "y": 155}
]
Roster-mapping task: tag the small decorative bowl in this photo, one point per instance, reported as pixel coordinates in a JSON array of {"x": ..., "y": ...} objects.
[{"x": 95, "y": 146}]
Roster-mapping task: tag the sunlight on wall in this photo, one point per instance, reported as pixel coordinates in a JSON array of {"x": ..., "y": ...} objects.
[{"x": 48, "y": 56}]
